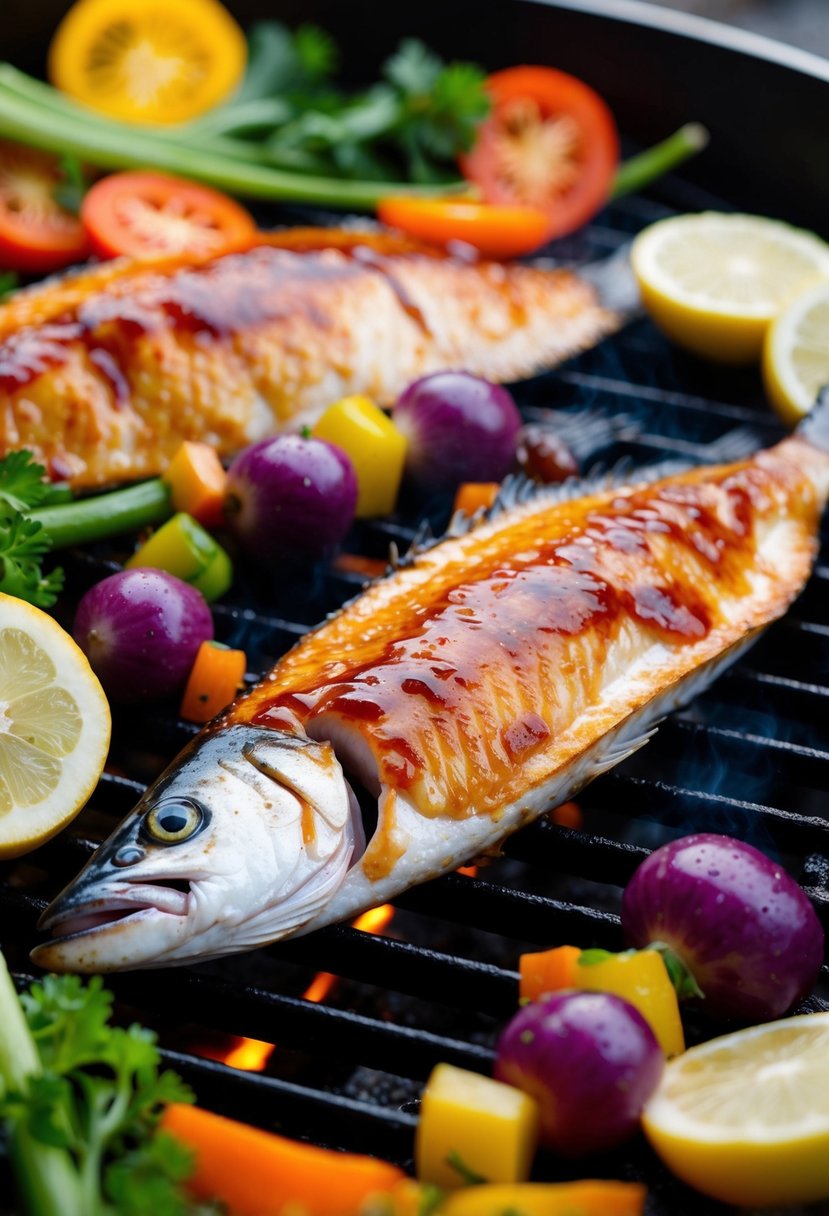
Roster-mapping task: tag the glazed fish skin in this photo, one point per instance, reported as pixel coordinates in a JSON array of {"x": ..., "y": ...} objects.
[
  {"x": 469, "y": 692},
  {"x": 103, "y": 374}
]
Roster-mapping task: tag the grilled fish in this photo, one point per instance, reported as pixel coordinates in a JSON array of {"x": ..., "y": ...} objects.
[
  {"x": 487, "y": 679},
  {"x": 104, "y": 373}
]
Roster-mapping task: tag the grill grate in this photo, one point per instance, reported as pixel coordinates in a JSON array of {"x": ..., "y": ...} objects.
[{"x": 749, "y": 757}]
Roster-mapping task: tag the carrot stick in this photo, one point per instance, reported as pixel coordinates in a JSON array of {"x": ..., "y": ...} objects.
[
  {"x": 214, "y": 680},
  {"x": 548, "y": 1199},
  {"x": 547, "y": 971},
  {"x": 257, "y": 1173}
]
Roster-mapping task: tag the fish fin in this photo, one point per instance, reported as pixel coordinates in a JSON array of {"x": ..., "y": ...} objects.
[
  {"x": 815, "y": 426},
  {"x": 621, "y": 748}
]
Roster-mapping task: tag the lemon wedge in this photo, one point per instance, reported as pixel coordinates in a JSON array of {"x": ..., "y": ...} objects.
[
  {"x": 714, "y": 282},
  {"x": 54, "y": 727},
  {"x": 745, "y": 1118},
  {"x": 796, "y": 354}
]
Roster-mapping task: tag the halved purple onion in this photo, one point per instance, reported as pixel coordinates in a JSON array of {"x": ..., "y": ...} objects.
[{"x": 737, "y": 921}]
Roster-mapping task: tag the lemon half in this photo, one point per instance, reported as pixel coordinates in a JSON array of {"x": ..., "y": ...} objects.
[
  {"x": 745, "y": 1118},
  {"x": 714, "y": 282},
  {"x": 796, "y": 354},
  {"x": 54, "y": 727}
]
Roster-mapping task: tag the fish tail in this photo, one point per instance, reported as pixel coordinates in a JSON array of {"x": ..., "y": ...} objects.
[{"x": 814, "y": 428}]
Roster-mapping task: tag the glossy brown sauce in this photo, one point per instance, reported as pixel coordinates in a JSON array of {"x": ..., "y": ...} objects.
[
  {"x": 485, "y": 673},
  {"x": 212, "y": 302}
]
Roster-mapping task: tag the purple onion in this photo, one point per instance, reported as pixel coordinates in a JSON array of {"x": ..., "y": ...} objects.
[
  {"x": 589, "y": 1059},
  {"x": 140, "y": 630},
  {"x": 290, "y": 497},
  {"x": 459, "y": 428},
  {"x": 735, "y": 919}
]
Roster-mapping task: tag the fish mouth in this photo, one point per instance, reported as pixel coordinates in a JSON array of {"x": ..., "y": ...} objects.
[{"x": 72, "y": 915}]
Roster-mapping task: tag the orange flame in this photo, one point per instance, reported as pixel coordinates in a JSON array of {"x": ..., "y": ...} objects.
[
  {"x": 252, "y": 1055},
  {"x": 469, "y": 871}
]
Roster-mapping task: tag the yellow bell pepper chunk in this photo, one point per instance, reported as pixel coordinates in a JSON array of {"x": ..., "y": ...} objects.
[
  {"x": 641, "y": 979},
  {"x": 375, "y": 446},
  {"x": 489, "y": 1127},
  {"x": 548, "y": 1199}
]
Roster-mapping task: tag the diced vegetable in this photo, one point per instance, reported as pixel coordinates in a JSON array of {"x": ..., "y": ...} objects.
[
  {"x": 182, "y": 547},
  {"x": 589, "y": 1059},
  {"x": 545, "y": 971},
  {"x": 257, "y": 1173},
  {"x": 733, "y": 918},
  {"x": 494, "y": 231},
  {"x": 290, "y": 498},
  {"x": 548, "y": 1199},
  {"x": 214, "y": 681},
  {"x": 373, "y": 444},
  {"x": 642, "y": 979},
  {"x": 141, "y": 630},
  {"x": 550, "y": 142},
  {"x": 473, "y": 1126},
  {"x": 128, "y": 62},
  {"x": 459, "y": 428},
  {"x": 474, "y": 496},
  {"x": 144, "y": 214},
  {"x": 197, "y": 483},
  {"x": 37, "y": 234}
]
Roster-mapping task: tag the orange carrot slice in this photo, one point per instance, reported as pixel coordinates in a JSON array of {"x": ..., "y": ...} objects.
[
  {"x": 257, "y": 1173},
  {"x": 472, "y": 495},
  {"x": 547, "y": 971},
  {"x": 197, "y": 482},
  {"x": 214, "y": 680}
]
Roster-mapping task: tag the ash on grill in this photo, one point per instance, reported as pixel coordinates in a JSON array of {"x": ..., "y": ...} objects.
[{"x": 748, "y": 758}]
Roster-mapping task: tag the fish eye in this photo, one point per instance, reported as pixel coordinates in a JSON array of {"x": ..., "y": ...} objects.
[{"x": 174, "y": 820}]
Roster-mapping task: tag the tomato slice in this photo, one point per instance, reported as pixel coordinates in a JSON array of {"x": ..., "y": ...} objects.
[
  {"x": 36, "y": 234},
  {"x": 150, "y": 61},
  {"x": 549, "y": 142},
  {"x": 150, "y": 214},
  {"x": 495, "y": 231}
]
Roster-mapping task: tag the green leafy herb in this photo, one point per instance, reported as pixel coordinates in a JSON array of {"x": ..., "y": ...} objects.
[
  {"x": 23, "y": 544},
  {"x": 9, "y": 282},
  {"x": 685, "y": 986},
  {"x": 82, "y": 1110},
  {"x": 23, "y": 482}
]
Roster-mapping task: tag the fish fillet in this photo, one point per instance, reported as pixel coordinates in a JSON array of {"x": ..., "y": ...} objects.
[{"x": 105, "y": 372}]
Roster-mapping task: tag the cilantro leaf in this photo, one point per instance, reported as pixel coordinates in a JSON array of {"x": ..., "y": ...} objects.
[{"x": 9, "y": 282}]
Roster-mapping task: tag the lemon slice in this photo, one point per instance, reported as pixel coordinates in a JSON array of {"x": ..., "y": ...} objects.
[
  {"x": 54, "y": 727},
  {"x": 796, "y": 354},
  {"x": 745, "y": 1118},
  {"x": 713, "y": 282}
]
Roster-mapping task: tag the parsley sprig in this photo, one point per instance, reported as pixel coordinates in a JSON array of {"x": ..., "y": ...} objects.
[{"x": 81, "y": 1099}]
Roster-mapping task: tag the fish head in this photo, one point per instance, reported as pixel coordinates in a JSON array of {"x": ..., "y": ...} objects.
[{"x": 240, "y": 842}]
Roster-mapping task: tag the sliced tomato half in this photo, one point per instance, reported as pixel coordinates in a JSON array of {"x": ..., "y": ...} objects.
[
  {"x": 36, "y": 234},
  {"x": 496, "y": 232},
  {"x": 549, "y": 142},
  {"x": 151, "y": 214}
]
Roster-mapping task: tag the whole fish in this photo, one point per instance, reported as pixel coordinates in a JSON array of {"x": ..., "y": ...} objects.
[
  {"x": 487, "y": 679},
  {"x": 103, "y": 373}
]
